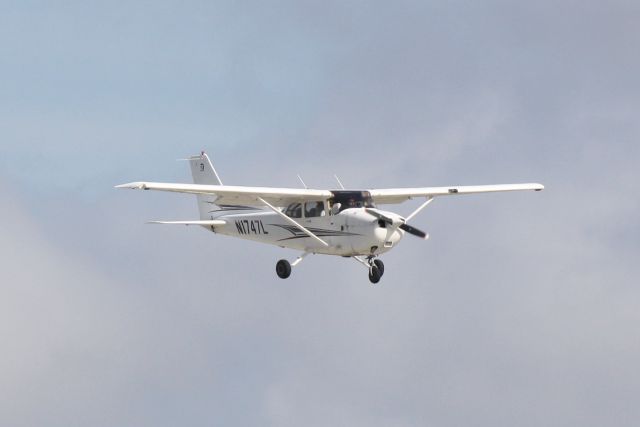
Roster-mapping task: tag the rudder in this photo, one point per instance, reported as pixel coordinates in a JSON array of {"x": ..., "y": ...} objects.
[{"x": 204, "y": 173}]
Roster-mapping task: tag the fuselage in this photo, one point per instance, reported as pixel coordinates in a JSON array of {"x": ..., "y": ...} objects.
[{"x": 350, "y": 232}]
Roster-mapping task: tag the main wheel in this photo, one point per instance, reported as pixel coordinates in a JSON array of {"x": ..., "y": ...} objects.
[
  {"x": 374, "y": 274},
  {"x": 283, "y": 269},
  {"x": 380, "y": 266}
]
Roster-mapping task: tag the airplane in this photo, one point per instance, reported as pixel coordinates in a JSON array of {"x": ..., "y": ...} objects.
[{"x": 346, "y": 223}]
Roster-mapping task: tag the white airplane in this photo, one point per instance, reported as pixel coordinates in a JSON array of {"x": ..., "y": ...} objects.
[{"x": 341, "y": 222}]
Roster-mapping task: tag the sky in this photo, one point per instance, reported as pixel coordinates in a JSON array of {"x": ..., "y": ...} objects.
[{"x": 522, "y": 308}]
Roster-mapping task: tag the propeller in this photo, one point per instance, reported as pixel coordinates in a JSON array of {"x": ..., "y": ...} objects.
[
  {"x": 398, "y": 222},
  {"x": 412, "y": 230}
]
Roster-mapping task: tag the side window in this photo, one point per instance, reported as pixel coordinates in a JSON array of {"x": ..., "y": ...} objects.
[
  {"x": 294, "y": 210},
  {"x": 313, "y": 209}
]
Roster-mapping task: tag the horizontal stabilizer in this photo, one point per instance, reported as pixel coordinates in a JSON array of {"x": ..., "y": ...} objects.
[{"x": 212, "y": 222}]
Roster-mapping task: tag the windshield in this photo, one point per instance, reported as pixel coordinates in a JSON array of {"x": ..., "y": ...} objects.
[{"x": 352, "y": 199}]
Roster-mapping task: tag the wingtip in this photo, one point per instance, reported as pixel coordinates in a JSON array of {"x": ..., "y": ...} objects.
[{"x": 131, "y": 185}]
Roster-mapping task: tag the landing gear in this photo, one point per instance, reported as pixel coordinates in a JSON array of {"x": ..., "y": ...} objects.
[
  {"x": 283, "y": 269},
  {"x": 374, "y": 274},
  {"x": 375, "y": 267},
  {"x": 380, "y": 266},
  {"x": 376, "y": 270}
]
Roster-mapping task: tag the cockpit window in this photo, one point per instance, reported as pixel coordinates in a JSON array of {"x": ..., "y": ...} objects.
[
  {"x": 294, "y": 210},
  {"x": 313, "y": 209},
  {"x": 352, "y": 199}
]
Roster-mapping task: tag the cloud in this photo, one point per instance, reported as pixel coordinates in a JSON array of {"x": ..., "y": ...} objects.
[{"x": 80, "y": 347}]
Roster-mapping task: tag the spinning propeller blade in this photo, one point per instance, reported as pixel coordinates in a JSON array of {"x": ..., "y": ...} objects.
[
  {"x": 403, "y": 226},
  {"x": 378, "y": 215},
  {"x": 412, "y": 230}
]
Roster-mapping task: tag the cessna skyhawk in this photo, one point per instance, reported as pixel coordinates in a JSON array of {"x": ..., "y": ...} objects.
[{"x": 341, "y": 222}]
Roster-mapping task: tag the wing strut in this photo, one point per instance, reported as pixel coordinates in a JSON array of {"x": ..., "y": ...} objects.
[
  {"x": 422, "y": 206},
  {"x": 291, "y": 221},
  {"x": 209, "y": 223}
]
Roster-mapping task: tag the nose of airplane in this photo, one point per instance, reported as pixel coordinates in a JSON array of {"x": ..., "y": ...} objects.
[{"x": 398, "y": 222}]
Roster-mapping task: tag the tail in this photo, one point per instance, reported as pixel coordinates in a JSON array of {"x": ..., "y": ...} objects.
[{"x": 204, "y": 173}]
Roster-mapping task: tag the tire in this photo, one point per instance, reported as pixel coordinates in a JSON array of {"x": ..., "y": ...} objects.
[
  {"x": 283, "y": 269},
  {"x": 374, "y": 274},
  {"x": 380, "y": 266}
]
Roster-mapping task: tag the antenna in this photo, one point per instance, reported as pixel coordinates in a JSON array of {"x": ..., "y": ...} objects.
[
  {"x": 339, "y": 183},
  {"x": 302, "y": 181}
]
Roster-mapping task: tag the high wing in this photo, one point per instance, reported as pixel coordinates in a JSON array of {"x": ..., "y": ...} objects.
[
  {"x": 399, "y": 195},
  {"x": 229, "y": 194}
]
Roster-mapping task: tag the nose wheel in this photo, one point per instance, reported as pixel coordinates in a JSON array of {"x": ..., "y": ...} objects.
[
  {"x": 374, "y": 274},
  {"x": 375, "y": 267},
  {"x": 376, "y": 270},
  {"x": 380, "y": 266}
]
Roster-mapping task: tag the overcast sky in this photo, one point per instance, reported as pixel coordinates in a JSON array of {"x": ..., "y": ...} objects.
[{"x": 522, "y": 309}]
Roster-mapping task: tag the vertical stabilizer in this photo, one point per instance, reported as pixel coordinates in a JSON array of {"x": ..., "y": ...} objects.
[{"x": 204, "y": 173}]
